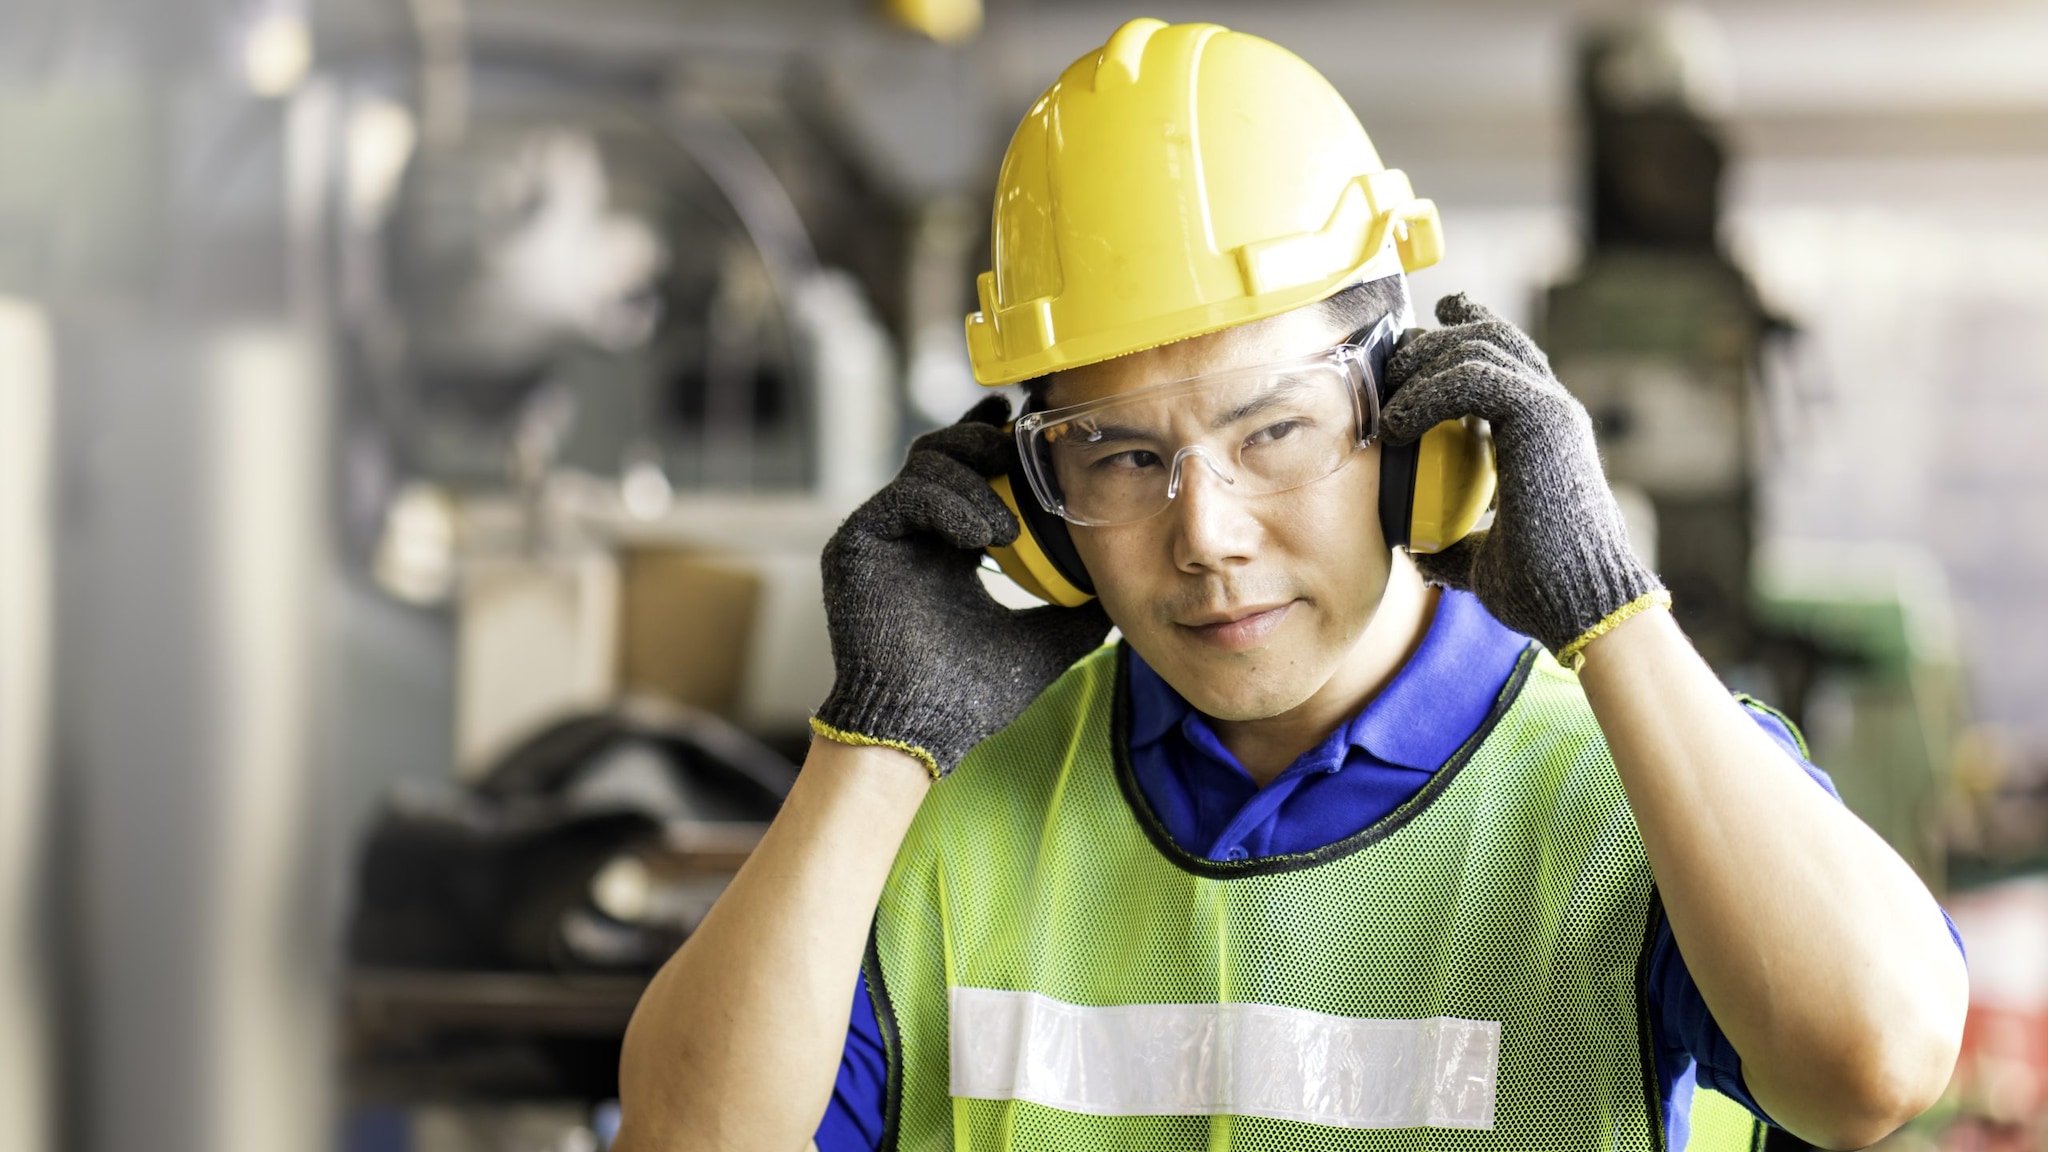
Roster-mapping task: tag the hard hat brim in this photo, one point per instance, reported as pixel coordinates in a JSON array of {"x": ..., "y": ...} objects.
[{"x": 991, "y": 371}]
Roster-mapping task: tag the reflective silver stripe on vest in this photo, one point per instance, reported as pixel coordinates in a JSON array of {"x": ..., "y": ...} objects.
[{"x": 1223, "y": 1059}]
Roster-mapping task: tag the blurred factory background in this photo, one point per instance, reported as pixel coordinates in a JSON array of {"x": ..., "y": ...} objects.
[{"x": 419, "y": 420}]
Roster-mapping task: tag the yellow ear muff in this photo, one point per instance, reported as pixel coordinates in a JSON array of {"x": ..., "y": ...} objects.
[
  {"x": 1025, "y": 561},
  {"x": 1454, "y": 483}
]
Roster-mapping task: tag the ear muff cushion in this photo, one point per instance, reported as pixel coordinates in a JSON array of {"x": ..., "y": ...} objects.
[
  {"x": 1397, "y": 469},
  {"x": 1047, "y": 529},
  {"x": 1397, "y": 492}
]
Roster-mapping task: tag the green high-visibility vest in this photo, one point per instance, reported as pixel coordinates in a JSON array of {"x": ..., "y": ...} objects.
[{"x": 1052, "y": 971}]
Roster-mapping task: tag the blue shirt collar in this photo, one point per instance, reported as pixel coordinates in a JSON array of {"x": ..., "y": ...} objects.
[{"x": 1432, "y": 706}]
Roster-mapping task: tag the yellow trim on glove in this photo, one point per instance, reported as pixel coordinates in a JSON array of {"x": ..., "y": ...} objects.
[
  {"x": 840, "y": 736},
  {"x": 1573, "y": 655}
]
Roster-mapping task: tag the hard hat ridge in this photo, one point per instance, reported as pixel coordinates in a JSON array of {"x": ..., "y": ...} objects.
[{"x": 1123, "y": 56}]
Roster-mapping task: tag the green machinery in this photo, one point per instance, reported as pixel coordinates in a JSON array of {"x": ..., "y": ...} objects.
[{"x": 1663, "y": 336}]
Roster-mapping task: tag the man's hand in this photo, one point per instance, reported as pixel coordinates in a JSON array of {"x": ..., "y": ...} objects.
[
  {"x": 1557, "y": 559},
  {"x": 926, "y": 660}
]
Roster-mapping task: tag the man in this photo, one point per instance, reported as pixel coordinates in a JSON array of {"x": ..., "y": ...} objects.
[{"x": 1328, "y": 852}]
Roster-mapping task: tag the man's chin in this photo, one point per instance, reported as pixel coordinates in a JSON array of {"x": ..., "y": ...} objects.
[
  {"x": 1236, "y": 692},
  {"x": 1241, "y": 710}
]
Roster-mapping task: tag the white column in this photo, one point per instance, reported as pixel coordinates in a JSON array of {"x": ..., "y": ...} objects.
[
  {"x": 25, "y": 609},
  {"x": 268, "y": 967}
]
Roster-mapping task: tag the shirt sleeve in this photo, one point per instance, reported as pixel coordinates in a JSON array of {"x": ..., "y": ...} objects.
[
  {"x": 1683, "y": 1025},
  {"x": 853, "y": 1119}
]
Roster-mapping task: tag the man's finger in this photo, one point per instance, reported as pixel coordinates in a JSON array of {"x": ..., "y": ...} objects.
[
  {"x": 1467, "y": 388},
  {"x": 1459, "y": 308},
  {"x": 993, "y": 409},
  {"x": 978, "y": 444},
  {"x": 1485, "y": 321},
  {"x": 1451, "y": 567},
  {"x": 1418, "y": 353},
  {"x": 1075, "y": 631},
  {"x": 918, "y": 507},
  {"x": 935, "y": 483},
  {"x": 1485, "y": 344}
]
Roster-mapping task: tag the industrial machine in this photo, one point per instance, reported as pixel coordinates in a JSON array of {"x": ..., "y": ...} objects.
[
  {"x": 1666, "y": 341},
  {"x": 1659, "y": 333}
]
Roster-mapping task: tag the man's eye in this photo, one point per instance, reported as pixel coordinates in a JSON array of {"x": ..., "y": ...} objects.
[
  {"x": 1133, "y": 460},
  {"x": 1273, "y": 432}
]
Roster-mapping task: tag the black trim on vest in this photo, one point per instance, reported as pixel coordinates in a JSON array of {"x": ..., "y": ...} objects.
[
  {"x": 892, "y": 1041},
  {"x": 1798, "y": 737},
  {"x": 1653, "y": 1102},
  {"x": 1155, "y": 830},
  {"x": 1759, "y": 1132}
]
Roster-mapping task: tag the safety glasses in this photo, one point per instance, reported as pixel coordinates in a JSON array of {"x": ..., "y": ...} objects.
[{"x": 1261, "y": 430}]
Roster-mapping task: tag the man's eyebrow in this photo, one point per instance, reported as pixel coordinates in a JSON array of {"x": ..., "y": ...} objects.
[{"x": 1267, "y": 399}]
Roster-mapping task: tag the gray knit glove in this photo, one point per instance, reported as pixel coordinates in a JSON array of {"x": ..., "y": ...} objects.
[
  {"x": 926, "y": 660},
  {"x": 1557, "y": 559}
]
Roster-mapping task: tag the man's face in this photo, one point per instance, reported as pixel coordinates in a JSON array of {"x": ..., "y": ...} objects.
[{"x": 1248, "y": 605}]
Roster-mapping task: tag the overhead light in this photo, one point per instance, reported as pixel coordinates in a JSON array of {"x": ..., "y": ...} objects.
[
  {"x": 415, "y": 557},
  {"x": 381, "y": 136},
  {"x": 277, "y": 52},
  {"x": 644, "y": 486},
  {"x": 946, "y": 21},
  {"x": 624, "y": 889}
]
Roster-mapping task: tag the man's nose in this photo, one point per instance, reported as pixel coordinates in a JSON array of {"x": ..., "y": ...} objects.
[{"x": 1214, "y": 528}]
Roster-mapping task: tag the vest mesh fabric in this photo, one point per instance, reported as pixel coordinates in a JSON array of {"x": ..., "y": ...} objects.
[
  {"x": 1513, "y": 888},
  {"x": 1718, "y": 1122}
]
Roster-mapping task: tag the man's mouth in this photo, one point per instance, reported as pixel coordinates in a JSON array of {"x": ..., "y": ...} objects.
[{"x": 1235, "y": 629}]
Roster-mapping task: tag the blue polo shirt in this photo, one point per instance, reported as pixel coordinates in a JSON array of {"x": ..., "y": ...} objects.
[{"x": 1364, "y": 770}]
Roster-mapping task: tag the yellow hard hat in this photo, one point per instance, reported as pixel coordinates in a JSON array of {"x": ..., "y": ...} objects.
[{"x": 1182, "y": 179}]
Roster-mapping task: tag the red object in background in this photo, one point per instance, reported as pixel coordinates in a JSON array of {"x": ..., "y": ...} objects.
[{"x": 2001, "y": 1080}]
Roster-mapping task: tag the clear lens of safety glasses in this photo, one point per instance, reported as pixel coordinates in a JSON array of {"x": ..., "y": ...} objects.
[{"x": 1260, "y": 430}]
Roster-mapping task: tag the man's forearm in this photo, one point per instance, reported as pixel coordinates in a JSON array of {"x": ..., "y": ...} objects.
[
  {"x": 1821, "y": 955},
  {"x": 735, "y": 1044}
]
